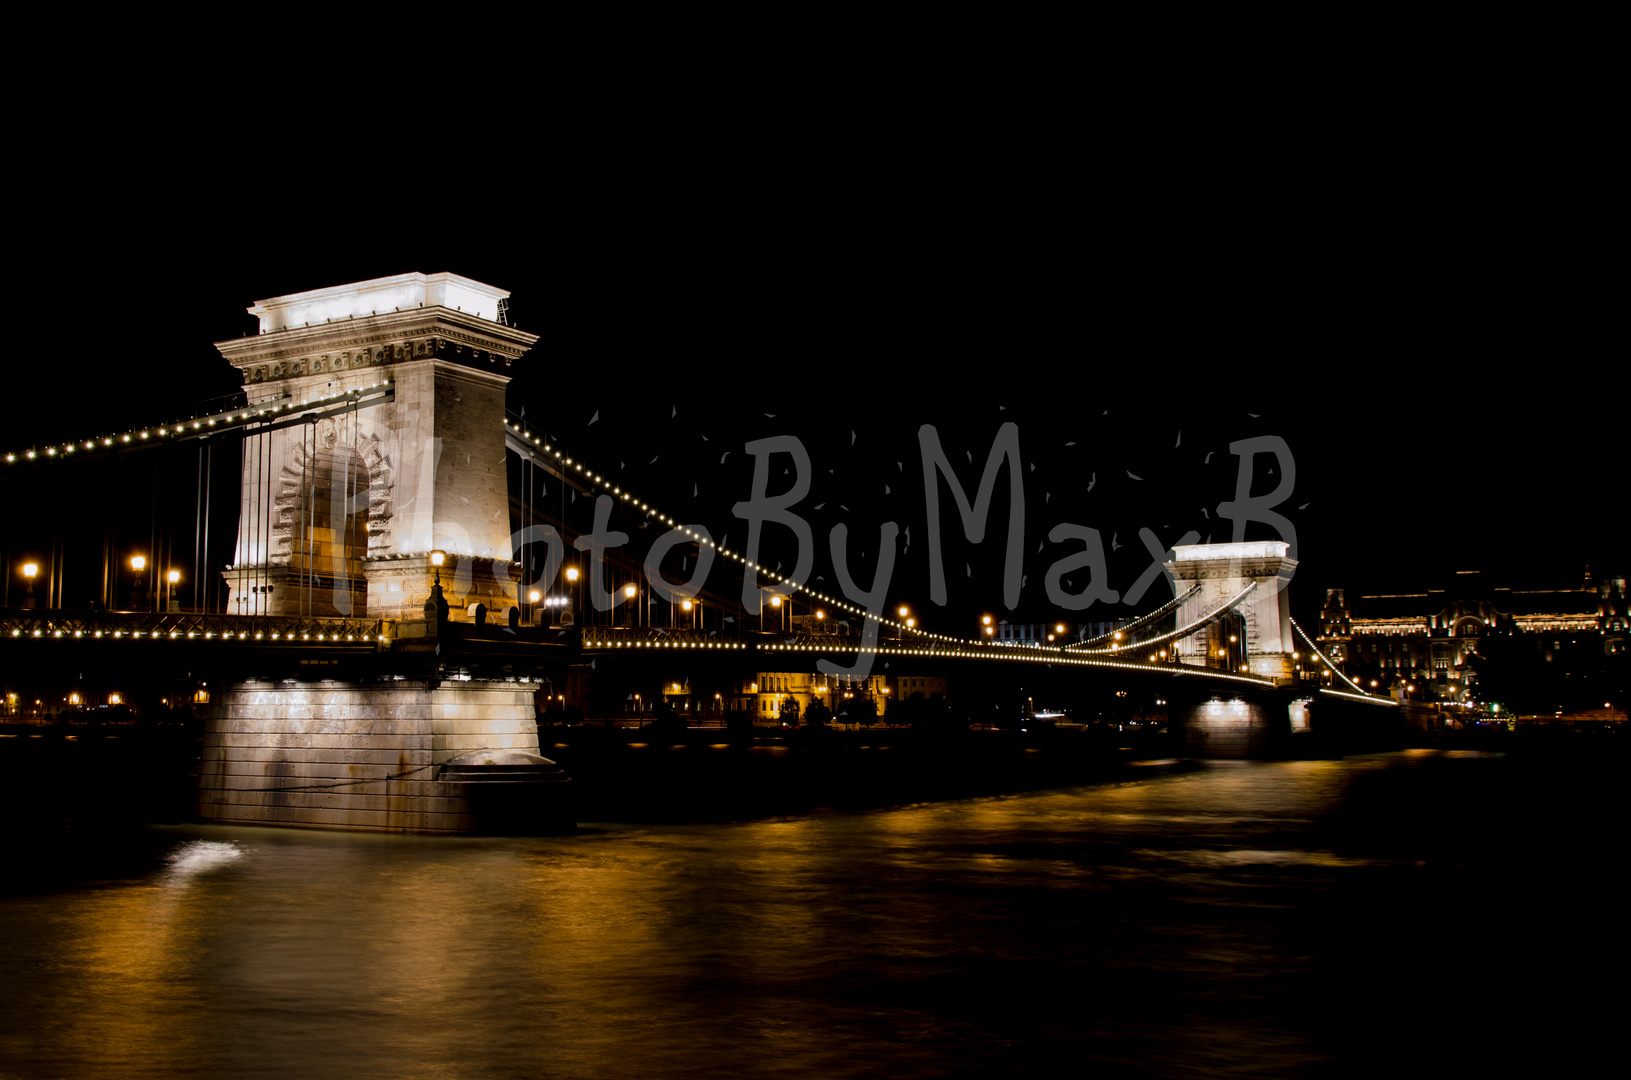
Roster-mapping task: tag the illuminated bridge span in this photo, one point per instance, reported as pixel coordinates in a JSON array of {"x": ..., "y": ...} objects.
[{"x": 374, "y": 541}]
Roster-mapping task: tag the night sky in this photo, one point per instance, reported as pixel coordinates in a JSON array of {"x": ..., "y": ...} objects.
[{"x": 1443, "y": 395}]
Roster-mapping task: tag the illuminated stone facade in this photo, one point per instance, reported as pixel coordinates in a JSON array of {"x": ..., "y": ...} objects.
[
  {"x": 347, "y": 756},
  {"x": 1263, "y": 618},
  {"x": 384, "y": 440}
]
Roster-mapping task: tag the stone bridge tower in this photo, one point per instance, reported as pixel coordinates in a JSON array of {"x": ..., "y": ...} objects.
[
  {"x": 386, "y": 441},
  {"x": 1222, "y": 571}
]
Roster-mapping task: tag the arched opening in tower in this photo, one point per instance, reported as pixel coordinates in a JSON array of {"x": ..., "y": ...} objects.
[{"x": 330, "y": 535}]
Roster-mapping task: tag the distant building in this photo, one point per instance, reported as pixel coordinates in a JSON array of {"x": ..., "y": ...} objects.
[
  {"x": 783, "y": 694},
  {"x": 1427, "y": 638},
  {"x": 903, "y": 687}
]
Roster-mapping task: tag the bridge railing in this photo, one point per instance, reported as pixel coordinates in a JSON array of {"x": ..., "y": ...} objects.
[
  {"x": 629, "y": 637},
  {"x": 194, "y": 626}
]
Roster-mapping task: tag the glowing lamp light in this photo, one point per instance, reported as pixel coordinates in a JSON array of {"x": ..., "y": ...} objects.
[
  {"x": 138, "y": 562},
  {"x": 174, "y": 576},
  {"x": 571, "y": 573},
  {"x": 630, "y": 591},
  {"x": 30, "y": 569},
  {"x": 534, "y": 596}
]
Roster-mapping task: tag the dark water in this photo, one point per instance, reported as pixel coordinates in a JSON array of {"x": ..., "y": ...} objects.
[{"x": 1405, "y": 914}]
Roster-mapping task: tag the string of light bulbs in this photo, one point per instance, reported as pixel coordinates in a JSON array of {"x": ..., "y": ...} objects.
[
  {"x": 193, "y": 425},
  {"x": 1136, "y": 623},
  {"x": 1325, "y": 660},
  {"x": 702, "y": 539}
]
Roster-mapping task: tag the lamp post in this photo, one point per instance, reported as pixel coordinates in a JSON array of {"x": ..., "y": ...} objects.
[
  {"x": 532, "y": 605},
  {"x": 29, "y": 570},
  {"x": 902, "y": 611},
  {"x": 572, "y": 585},
  {"x": 630, "y": 591},
  {"x": 138, "y": 563},
  {"x": 776, "y": 602},
  {"x": 170, "y": 579},
  {"x": 435, "y": 604}
]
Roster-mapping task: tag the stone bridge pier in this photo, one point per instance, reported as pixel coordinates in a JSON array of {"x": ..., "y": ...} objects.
[
  {"x": 1256, "y": 638},
  {"x": 1255, "y": 723}
]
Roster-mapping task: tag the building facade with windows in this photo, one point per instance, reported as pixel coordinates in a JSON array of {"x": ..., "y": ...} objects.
[{"x": 1429, "y": 641}]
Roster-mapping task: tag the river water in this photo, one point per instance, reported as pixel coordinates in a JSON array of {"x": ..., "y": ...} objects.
[{"x": 1399, "y": 913}]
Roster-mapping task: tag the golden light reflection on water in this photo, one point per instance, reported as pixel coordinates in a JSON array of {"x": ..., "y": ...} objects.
[
  {"x": 909, "y": 941},
  {"x": 126, "y": 995}
]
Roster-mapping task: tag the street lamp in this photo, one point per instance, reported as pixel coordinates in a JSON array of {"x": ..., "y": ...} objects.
[
  {"x": 532, "y": 605},
  {"x": 138, "y": 563},
  {"x": 170, "y": 580},
  {"x": 435, "y": 605},
  {"x": 571, "y": 586},
  {"x": 630, "y": 591},
  {"x": 29, "y": 570},
  {"x": 776, "y": 602}
]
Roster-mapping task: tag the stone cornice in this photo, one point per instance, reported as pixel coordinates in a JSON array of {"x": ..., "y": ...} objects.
[
  {"x": 377, "y": 332},
  {"x": 434, "y": 333},
  {"x": 1232, "y": 568}
]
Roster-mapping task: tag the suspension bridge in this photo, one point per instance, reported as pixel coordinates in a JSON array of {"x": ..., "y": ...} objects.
[{"x": 393, "y": 612}]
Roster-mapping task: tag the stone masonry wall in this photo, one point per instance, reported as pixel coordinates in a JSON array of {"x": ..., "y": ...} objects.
[
  {"x": 354, "y": 756},
  {"x": 1231, "y": 729}
]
